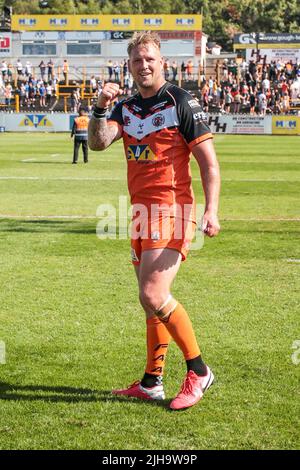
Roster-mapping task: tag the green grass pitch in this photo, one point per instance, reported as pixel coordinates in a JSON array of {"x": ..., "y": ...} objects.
[{"x": 73, "y": 328}]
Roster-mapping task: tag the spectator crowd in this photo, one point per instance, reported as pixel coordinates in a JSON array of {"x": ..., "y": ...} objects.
[
  {"x": 252, "y": 88},
  {"x": 244, "y": 87},
  {"x": 34, "y": 90}
]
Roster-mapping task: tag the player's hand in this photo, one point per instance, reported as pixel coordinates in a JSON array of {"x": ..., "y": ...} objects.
[
  {"x": 210, "y": 224},
  {"x": 109, "y": 93}
]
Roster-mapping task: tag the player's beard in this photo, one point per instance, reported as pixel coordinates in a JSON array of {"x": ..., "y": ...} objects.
[
  {"x": 150, "y": 81},
  {"x": 145, "y": 82}
]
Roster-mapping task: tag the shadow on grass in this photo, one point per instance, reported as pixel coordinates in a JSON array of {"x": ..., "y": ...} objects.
[
  {"x": 11, "y": 392},
  {"x": 46, "y": 225},
  {"x": 83, "y": 226},
  {"x": 48, "y": 163}
]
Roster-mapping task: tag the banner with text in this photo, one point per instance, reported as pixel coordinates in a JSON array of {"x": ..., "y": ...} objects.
[
  {"x": 266, "y": 56},
  {"x": 240, "y": 124},
  {"x": 286, "y": 125},
  {"x": 106, "y": 22},
  {"x": 219, "y": 124},
  {"x": 5, "y": 45}
]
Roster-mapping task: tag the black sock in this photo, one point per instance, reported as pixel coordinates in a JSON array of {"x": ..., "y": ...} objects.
[
  {"x": 150, "y": 380},
  {"x": 197, "y": 365}
]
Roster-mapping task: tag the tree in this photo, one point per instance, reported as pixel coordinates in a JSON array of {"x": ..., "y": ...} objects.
[
  {"x": 221, "y": 19},
  {"x": 88, "y": 7}
]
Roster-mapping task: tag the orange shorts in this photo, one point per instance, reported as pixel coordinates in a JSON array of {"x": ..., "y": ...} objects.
[{"x": 164, "y": 232}]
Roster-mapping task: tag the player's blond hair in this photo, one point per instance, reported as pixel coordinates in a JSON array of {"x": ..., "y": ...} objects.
[{"x": 143, "y": 38}]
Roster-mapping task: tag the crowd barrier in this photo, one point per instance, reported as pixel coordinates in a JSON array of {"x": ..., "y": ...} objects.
[{"x": 219, "y": 124}]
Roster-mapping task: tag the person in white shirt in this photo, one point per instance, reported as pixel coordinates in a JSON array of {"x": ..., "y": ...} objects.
[
  {"x": 4, "y": 69},
  {"x": 295, "y": 88},
  {"x": 265, "y": 85},
  {"x": 28, "y": 68},
  {"x": 19, "y": 67},
  {"x": 262, "y": 103}
]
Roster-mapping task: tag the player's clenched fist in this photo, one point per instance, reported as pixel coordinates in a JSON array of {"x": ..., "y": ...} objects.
[{"x": 109, "y": 93}]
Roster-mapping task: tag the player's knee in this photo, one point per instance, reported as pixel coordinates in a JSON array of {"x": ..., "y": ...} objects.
[
  {"x": 166, "y": 308},
  {"x": 152, "y": 298}
]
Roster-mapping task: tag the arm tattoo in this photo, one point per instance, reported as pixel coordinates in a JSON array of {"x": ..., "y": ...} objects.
[{"x": 100, "y": 135}]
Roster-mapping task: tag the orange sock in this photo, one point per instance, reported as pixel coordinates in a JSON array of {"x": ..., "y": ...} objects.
[
  {"x": 180, "y": 328},
  {"x": 158, "y": 339}
]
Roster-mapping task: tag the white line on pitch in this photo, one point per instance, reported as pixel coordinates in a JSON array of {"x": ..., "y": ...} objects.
[
  {"x": 71, "y": 178},
  {"x": 14, "y": 216},
  {"x": 59, "y": 178},
  {"x": 253, "y": 219},
  {"x": 28, "y": 160},
  {"x": 293, "y": 260},
  {"x": 9, "y": 216}
]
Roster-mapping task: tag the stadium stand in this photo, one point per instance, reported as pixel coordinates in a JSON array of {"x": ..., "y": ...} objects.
[{"x": 232, "y": 86}]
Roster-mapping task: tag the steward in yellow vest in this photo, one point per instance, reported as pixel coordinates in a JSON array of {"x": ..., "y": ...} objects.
[{"x": 80, "y": 131}]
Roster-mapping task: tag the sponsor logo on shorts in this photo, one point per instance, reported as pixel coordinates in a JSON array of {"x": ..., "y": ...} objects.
[
  {"x": 134, "y": 255},
  {"x": 155, "y": 236}
]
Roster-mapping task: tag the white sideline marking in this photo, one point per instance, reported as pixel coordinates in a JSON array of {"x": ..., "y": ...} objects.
[
  {"x": 257, "y": 180},
  {"x": 71, "y": 178},
  {"x": 59, "y": 178},
  {"x": 28, "y": 160},
  {"x": 55, "y": 154},
  {"x": 14, "y": 216},
  {"x": 270, "y": 219},
  {"x": 293, "y": 260},
  {"x": 9, "y": 216}
]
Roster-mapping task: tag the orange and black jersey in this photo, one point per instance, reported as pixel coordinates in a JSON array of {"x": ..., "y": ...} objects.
[{"x": 159, "y": 134}]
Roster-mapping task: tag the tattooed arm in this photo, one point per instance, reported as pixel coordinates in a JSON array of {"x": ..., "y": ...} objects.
[{"x": 100, "y": 133}]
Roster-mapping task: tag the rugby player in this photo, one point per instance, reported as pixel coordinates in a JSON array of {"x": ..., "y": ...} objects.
[{"x": 161, "y": 126}]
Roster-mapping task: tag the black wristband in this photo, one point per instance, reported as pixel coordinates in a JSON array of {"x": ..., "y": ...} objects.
[
  {"x": 99, "y": 113},
  {"x": 99, "y": 110}
]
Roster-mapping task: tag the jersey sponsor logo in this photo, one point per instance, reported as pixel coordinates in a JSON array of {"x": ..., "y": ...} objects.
[
  {"x": 140, "y": 126},
  {"x": 158, "y": 120},
  {"x": 193, "y": 103},
  {"x": 200, "y": 116},
  {"x": 127, "y": 120},
  {"x": 140, "y": 153},
  {"x": 35, "y": 120}
]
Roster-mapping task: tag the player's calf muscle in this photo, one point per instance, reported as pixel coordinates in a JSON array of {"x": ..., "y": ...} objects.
[{"x": 100, "y": 135}]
